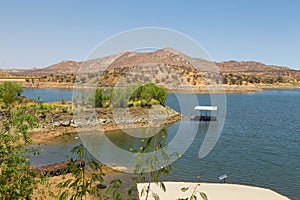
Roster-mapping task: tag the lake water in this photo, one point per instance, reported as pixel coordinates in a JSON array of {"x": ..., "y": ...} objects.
[
  {"x": 48, "y": 95},
  {"x": 259, "y": 144}
]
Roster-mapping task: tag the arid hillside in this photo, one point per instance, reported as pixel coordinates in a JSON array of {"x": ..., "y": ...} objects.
[{"x": 166, "y": 67}]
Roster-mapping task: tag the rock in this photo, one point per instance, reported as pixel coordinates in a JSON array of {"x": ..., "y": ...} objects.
[
  {"x": 102, "y": 121},
  {"x": 66, "y": 123},
  {"x": 56, "y": 115},
  {"x": 120, "y": 168},
  {"x": 74, "y": 125},
  {"x": 36, "y": 129},
  {"x": 42, "y": 116},
  {"x": 56, "y": 123}
]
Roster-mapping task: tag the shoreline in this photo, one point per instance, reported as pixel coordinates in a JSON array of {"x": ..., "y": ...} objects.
[
  {"x": 109, "y": 124},
  {"x": 214, "y": 89}
]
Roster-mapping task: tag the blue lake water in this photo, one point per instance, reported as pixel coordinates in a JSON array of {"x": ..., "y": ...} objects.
[
  {"x": 48, "y": 95},
  {"x": 259, "y": 144}
]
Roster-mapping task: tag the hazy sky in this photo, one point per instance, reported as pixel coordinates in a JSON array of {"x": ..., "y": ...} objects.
[{"x": 40, "y": 33}]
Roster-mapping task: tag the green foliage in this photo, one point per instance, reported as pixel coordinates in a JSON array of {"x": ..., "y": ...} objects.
[
  {"x": 150, "y": 91},
  {"x": 120, "y": 96},
  {"x": 254, "y": 78},
  {"x": 152, "y": 162},
  {"x": 113, "y": 189},
  {"x": 83, "y": 98},
  {"x": 144, "y": 94},
  {"x": 195, "y": 191},
  {"x": 17, "y": 180},
  {"x": 81, "y": 187},
  {"x": 64, "y": 109},
  {"x": 98, "y": 98},
  {"x": 152, "y": 167},
  {"x": 75, "y": 102},
  {"x": 9, "y": 91},
  {"x": 63, "y": 101}
]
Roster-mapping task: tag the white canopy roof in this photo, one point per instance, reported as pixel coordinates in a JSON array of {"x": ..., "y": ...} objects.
[{"x": 206, "y": 108}]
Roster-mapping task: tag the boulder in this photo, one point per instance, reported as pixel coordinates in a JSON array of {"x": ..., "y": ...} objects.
[
  {"x": 56, "y": 123},
  {"x": 66, "y": 123},
  {"x": 74, "y": 125},
  {"x": 102, "y": 121}
]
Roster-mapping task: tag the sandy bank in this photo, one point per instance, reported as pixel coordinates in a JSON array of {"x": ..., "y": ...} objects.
[{"x": 51, "y": 191}]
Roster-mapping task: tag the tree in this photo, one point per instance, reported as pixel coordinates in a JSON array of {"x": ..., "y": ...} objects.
[
  {"x": 98, "y": 98},
  {"x": 160, "y": 94},
  {"x": 9, "y": 91},
  {"x": 17, "y": 180},
  {"x": 153, "y": 162},
  {"x": 148, "y": 93},
  {"x": 81, "y": 187},
  {"x": 143, "y": 93},
  {"x": 121, "y": 96},
  {"x": 151, "y": 91}
]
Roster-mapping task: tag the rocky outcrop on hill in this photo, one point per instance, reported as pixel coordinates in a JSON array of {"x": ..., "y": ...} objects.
[
  {"x": 4, "y": 74},
  {"x": 166, "y": 67},
  {"x": 248, "y": 66}
]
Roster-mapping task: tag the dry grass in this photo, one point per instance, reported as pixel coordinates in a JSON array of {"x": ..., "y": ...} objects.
[{"x": 49, "y": 190}]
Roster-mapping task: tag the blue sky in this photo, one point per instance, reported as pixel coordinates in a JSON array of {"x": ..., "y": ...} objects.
[{"x": 40, "y": 33}]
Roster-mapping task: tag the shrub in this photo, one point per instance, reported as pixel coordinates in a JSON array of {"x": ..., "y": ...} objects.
[{"x": 9, "y": 91}]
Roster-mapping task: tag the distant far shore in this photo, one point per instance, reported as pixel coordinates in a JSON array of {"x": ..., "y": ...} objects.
[
  {"x": 236, "y": 89},
  {"x": 218, "y": 89}
]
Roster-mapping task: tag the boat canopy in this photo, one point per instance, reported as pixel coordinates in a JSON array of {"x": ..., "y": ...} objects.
[{"x": 206, "y": 108}]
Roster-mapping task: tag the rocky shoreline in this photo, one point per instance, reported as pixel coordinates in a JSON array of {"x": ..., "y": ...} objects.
[{"x": 105, "y": 119}]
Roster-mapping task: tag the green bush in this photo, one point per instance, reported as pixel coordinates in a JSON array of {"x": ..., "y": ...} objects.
[
  {"x": 144, "y": 94},
  {"x": 17, "y": 180},
  {"x": 9, "y": 91}
]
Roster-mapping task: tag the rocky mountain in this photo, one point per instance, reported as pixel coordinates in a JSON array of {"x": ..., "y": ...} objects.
[
  {"x": 4, "y": 73},
  {"x": 64, "y": 67},
  {"x": 248, "y": 66},
  {"x": 167, "y": 67},
  {"x": 166, "y": 56}
]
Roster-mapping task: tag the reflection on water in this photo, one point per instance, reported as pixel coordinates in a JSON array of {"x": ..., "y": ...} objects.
[
  {"x": 56, "y": 150},
  {"x": 115, "y": 148}
]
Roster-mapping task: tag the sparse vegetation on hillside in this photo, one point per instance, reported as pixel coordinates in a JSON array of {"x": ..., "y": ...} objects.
[{"x": 166, "y": 67}]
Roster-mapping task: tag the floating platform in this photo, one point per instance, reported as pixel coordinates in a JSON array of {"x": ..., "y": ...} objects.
[
  {"x": 206, "y": 117},
  {"x": 203, "y": 118}
]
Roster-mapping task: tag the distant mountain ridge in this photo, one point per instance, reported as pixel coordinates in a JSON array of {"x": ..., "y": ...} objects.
[
  {"x": 248, "y": 66},
  {"x": 166, "y": 67},
  {"x": 163, "y": 56}
]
